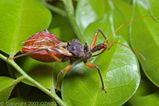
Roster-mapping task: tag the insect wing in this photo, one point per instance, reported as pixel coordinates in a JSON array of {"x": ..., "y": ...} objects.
[{"x": 61, "y": 48}]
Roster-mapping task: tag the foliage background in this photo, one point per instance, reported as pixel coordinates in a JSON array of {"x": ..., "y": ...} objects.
[{"x": 130, "y": 79}]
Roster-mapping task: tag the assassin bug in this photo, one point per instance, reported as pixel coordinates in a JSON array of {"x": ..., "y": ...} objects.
[{"x": 44, "y": 46}]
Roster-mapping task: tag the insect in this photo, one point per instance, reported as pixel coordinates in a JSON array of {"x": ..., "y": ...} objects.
[{"x": 45, "y": 47}]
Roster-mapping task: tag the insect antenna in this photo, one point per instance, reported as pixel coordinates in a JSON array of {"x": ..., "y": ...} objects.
[
  {"x": 134, "y": 50},
  {"x": 108, "y": 45},
  {"x": 126, "y": 24}
]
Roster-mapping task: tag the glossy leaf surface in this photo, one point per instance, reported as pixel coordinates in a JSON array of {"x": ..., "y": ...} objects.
[
  {"x": 119, "y": 70},
  {"x": 144, "y": 37},
  {"x": 121, "y": 78},
  {"x": 19, "y": 20},
  {"x": 87, "y": 12},
  {"x": 147, "y": 95},
  {"x": 6, "y": 86}
]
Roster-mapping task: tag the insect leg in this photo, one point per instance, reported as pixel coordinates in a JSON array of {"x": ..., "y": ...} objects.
[
  {"x": 34, "y": 51},
  {"x": 61, "y": 75},
  {"x": 90, "y": 65},
  {"x": 28, "y": 53},
  {"x": 95, "y": 38},
  {"x": 53, "y": 55}
]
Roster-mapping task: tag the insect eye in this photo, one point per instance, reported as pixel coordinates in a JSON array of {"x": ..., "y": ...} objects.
[{"x": 73, "y": 48}]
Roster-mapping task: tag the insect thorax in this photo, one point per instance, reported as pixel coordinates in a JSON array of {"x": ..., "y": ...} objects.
[{"x": 78, "y": 50}]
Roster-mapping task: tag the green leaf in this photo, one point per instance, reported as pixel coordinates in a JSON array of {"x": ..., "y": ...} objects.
[
  {"x": 122, "y": 11},
  {"x": 153, "y": 8},
  {"x": 61, "y": 28},
  {"x": 19, "y": 20},
  {"x": 124, "y": 7},
  {"x": 41, "y": 72},
  {"x": 119, "y": 69},
  {"x": 145, "y": 88},
  {"x": 145, "y": 95},
  {"x": 148, "y": 100},
  {"x": 87, "y": 11},
  {"x": 44, "y": 73},
  {"x": 121, "y": 77},
  {"x": 144, "y": 38},
  {"x": 6, "y": 86}
]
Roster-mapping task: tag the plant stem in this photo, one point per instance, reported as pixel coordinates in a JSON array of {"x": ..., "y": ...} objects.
[
  {"x": 55, "y": 9},
  {"x": 19, "y": 79},
  {"x": 16, "y": 81},
  {"x": 38, "y": 85},
  {"x": 71, "y": 16}
]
